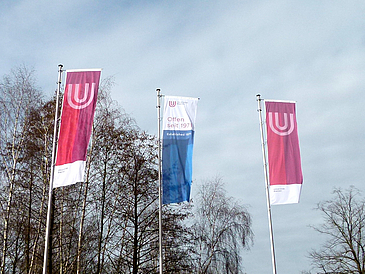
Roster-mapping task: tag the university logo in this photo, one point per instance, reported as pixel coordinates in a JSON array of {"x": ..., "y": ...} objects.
[
  {"x": 75, "y": 101},
  {"x": 172, "y": 104},
  {"x": 282, "y": 130}
]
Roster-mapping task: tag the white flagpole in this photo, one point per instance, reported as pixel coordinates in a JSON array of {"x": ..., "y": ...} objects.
[
  {"x": 50, "y": 196},
  {"x": 159, "y": 178},
  {"x": 259, "y": 109}
]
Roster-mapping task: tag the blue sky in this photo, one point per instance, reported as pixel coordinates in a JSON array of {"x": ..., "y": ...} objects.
[{"x": 224, "y": 52}]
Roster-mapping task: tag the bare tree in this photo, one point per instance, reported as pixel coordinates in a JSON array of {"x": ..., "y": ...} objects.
[
  {"x": 178, "y": 239},
  {"x": 222, "y": 229},
  {"x": 31, "y": 197},
  {"x": 18, "y": 96},
  {"x": 344, "y": 226}
]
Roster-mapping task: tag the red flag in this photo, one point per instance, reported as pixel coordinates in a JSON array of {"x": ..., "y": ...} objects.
[
  {"x": 285, "y": 172},
  {"x": 79, "y": 103}
]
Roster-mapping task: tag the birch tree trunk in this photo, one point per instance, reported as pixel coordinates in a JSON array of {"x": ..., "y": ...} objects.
[{"x": 17, "y": 96}]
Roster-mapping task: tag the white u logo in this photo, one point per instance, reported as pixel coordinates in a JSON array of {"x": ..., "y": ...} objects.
[
  {"x": 277, "y": 128},
  {"x": 80, "y": 103}
]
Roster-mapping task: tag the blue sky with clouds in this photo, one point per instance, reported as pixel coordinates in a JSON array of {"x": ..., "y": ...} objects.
[{"x": 224, "y": 52}]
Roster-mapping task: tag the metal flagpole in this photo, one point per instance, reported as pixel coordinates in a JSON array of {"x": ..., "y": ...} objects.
[
  {"x": 159, "y": 178},
  {"x": 259, "y": 109},
  {"x": 50, "y": 196}
]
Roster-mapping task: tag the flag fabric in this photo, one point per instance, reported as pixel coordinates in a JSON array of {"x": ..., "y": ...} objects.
[
  {"x": 285, "y": 172},
  {"x": 81, "y": 90},
  {"x": 177, "y": 148}
]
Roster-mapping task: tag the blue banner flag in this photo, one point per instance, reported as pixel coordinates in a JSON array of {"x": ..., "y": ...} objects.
[{"x": 177, "y": 148}]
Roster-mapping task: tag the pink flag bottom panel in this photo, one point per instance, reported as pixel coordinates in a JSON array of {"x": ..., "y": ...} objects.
[
  {"x": 69, "y": 174},
  {"x": 285, "y": 194}
]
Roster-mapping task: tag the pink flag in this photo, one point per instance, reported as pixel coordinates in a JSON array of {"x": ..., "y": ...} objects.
[
  {"x": 285, "y": 172},
  {"x": 79, "y": 103}
]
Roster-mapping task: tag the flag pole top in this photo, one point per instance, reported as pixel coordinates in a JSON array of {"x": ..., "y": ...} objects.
[
  {"x": 60, "y": 67},
  {"x": 258, "y": 99}
]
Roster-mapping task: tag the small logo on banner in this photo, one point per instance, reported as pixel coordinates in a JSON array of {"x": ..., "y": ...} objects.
[
  {"x": 79, "y": 103},
  {"x": 172, "y": 104},
  {"x": 284, "y": 130}
]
